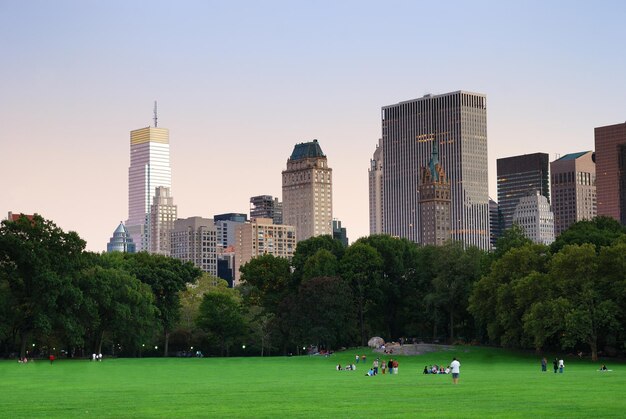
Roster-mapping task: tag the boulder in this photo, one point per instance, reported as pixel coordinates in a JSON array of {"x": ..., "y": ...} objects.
[{"x": 375, "y": 342}]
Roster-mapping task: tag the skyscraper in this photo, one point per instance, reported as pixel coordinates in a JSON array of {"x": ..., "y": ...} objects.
[
  {"x": 517, "y": 177},
  {"x": 375, "y": 174},
  {"x": 121, "y": 241},
  {"x": 308, "y": 191},
  {"x": 266, "y": 206},
  {"x": 149, "y": 169},
  {"x": 194, "y": 239},
  {"x": 533, "y": 214},
  {"x": 163, "y": 213},
  {"x": 495, "y": 222},
  {"x": 434, "y": 201},
  {"x": 611, "y": 171},
  {"x": 459, "y": 120},
  {"x": 573, "y": 189}
]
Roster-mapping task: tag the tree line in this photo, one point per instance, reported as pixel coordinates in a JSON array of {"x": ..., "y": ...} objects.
[{"x": 570, "y": 295}]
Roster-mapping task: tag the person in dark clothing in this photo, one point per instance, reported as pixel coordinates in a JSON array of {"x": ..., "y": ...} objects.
[
  {"x": 555, "y": 365},
  {"x": 390, "y": 366}
]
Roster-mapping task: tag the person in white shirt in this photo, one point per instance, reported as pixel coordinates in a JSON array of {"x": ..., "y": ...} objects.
[{"x": 455, "y": 367}]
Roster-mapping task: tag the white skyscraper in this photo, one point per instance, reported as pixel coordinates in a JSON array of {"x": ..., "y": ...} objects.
[
  {"x": 149, "y": 169},
  {"x": 533, "y": 214}
]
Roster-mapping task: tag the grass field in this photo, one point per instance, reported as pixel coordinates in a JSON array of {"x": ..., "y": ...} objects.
[{"x": 493, "y": 383}]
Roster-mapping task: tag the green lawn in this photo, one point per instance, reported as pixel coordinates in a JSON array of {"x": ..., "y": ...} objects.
[{"x": 493, "y": 383}]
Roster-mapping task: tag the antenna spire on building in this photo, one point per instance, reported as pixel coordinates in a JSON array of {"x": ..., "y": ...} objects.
[{"x": 155, "y": 114}]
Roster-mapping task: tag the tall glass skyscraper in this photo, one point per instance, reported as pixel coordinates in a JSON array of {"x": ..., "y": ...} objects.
[
  {"x": 459, "y": 121},
  {"x": 149, "y": 169}
]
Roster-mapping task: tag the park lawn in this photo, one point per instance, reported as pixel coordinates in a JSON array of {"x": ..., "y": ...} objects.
[{"x": 493, "y": 383}]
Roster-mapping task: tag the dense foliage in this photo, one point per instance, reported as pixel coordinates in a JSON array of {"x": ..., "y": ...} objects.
[{"x": 55, "y": 296}]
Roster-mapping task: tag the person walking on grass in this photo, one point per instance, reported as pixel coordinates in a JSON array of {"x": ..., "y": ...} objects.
[
  {"x": 555, "y": 365},
  {"x": 561, "y": 366},
  {"x": 544, "y": 364},
  {"x": 455, "y": 367}
]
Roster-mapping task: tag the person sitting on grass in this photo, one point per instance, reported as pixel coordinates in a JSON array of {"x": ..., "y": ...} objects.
[
  {"x": 426, "y": 370},
  {"x": 604, "y": 368},
  {"x": 338, "y": 367},
  {"x": 370, "y": 372}
]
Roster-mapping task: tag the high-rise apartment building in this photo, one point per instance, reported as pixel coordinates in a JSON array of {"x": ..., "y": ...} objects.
[
  {"x": 194, "y": 239},
  {"x": 610, "y": 144},
  {"x": 434, "y": 201},
  {"x": 226, "y": 225},
  {"x": 121, "y": 241},
  {"x": 573, "y": 189},
  {"x": 149, "y": 169},
  {"x": 307, "y": 191},
  {"x": 533, "y": 214},
  {"x": 266, "y": 206},
  {"x": 519, "y": 176},
  {"x": 162, "y": 216},
  {"x": 340, "y": 233},
  {"x": 260, "y": 236},
  {"x": 495, "y": 222},
  {"x": 375, "y": 173},
  {"x": 459, "y": 121}
]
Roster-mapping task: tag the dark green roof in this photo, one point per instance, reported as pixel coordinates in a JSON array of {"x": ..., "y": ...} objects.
[
  {"x": 306, "y": 151},
  {"x": 573, "y": 156}
]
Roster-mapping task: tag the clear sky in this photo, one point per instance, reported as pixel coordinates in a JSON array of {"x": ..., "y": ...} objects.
[{"x": 240, "y": 83}]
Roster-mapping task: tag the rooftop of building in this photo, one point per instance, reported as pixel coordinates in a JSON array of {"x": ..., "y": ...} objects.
[
  {"x": 573, "y": 156},
  {"x": 308, "y": 150}
]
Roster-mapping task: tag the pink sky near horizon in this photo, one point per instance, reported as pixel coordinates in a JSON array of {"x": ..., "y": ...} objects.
[{"x": 239, "y": 85}]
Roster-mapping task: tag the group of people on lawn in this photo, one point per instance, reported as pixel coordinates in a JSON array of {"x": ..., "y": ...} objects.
[
  {"x": 383, "y": 366},
  {"x": 436, "y": 369}
]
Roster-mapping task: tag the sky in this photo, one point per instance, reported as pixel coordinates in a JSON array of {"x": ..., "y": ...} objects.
[{"x": 239, "y": 83}]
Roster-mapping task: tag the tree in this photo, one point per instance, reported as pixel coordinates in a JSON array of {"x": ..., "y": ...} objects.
[
  {"x": 166, "y": 277},
  {"x": 325, "y": 315},
  {"x": 601, "y": 231},
  {"x": 362, "y": 266},
  {"x": 221, "y": 318},
  {"x": 321, "y": 263},
  {"x": 309, "y": 247},
  {"x": 39, "y": 264},
  {"x": 265, "y": 281},
  {"x": 512, "y": 238}
]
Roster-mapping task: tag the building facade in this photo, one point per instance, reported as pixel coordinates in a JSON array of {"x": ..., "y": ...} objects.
[
  {"x": 519, "y": 176},
  {"x": 149, "y": 169},
  {"x": 434, "y": 201},
  {"x": 266, "y": 206},
  {"x": 375, "y": 175},
  {"x": 261, "y": 236},
  {"x": 340, "y": 233},
  {"x": 226, "y": 225},
  {"x": 163, "y": 214},
  {"x": 121, "y": 241},
  {"x": 307, "y": 191},
  {"x": 459, "y": 121},
  {"x": 495, "y": 222},
  {"x": 194, "y": 240},
  {"x": 610, "y": 142},
  {"x": 534, "y": 215},
  {"x": 573, "y": 186}
]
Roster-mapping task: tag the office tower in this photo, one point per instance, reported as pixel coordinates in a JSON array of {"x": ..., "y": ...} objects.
[
  {"x": 149, "y": 169},
  {"x": 266, "y": 206},
  {"x": 459, "y": 121},
  {"x": 121, "y": 241},
  {"x": 340, "y": 233},
  {"x": 517, "y": 177},
  {"x": 226, "y": 225},
  {"x": 194, "y": 240},
  {"x": 495, "y": 222},
  {"x": 375, "y": 174},
  {"x": 533, "y": 214},
  {"x": 260, "y": 236},
  {"x": 226, "y": 265},
  {"x": 162, "y": 218},
  {"x": 573, "y": 189},
  {"x": 434, "y": 201},
  {"x": 611, "y": 171},
  {"x": 307, "y": 191}
]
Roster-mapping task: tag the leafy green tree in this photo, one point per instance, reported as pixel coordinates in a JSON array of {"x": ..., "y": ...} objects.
[
  {"x": 601, "y": 231},
  {"x": 362, "y": 267},
  {"x": 309, "y": 247},
  {"x": 260, "y": 328},
  {"x": 494, "y": 301},
  {"x": 512, "y": 238},
  {"x": 221, "y": 317},
  {"x": 39, "y": 264},
  {"x": 166, "y": 277},
  {"x": 325, "y": 315},
  {"x": 321, "y": 263},
  {"x": 265, "y": 281}
]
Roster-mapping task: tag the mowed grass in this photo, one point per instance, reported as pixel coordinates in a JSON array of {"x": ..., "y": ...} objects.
[{"x": 493, "y": 383}]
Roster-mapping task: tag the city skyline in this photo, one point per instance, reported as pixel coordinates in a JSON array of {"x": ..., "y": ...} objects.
[{"x": 237, "y": 84}]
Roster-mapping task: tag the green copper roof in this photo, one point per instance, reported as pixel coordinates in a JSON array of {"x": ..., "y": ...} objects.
[
  {"x": 573, "y": 156},
  {"x": 306, "y": 150}
]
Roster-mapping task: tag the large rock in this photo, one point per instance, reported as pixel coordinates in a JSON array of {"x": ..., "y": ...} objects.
[{"x": 375, "y": 342}]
